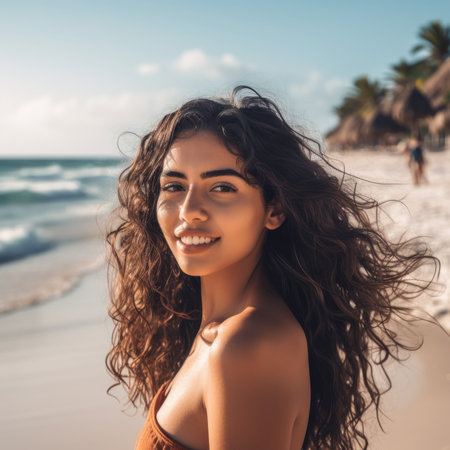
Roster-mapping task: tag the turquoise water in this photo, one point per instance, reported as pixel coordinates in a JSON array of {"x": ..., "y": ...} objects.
[
  {"x": 49, "y": 219},
  {"x": 38, "y": 194}
]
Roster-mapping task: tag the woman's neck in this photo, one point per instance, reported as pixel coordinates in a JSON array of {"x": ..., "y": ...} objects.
[{"x": 230, "y": 291}]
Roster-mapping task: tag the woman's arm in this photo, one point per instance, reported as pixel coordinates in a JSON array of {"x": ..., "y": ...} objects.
[{"x": 258, "y": 386}]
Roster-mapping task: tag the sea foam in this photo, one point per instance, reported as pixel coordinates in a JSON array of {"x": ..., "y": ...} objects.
[
  {"x": 19, "y": 241},
  {"x": 25, "y": 191}
]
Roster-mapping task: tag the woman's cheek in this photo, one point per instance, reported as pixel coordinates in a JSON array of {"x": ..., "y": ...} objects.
[{"x": 164, "y": 214}]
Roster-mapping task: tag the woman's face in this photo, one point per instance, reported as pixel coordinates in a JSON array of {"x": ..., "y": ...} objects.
[{"x": 210, "y": 217}]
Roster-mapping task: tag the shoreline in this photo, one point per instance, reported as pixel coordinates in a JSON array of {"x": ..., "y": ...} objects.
[{"x": 50, "y": 275}]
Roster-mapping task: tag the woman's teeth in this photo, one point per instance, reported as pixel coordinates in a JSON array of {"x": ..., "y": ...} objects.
[{"x": 196, "y": 240}]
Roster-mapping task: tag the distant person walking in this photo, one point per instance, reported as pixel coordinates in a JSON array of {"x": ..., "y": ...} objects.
[{"x": 417, "y": 162}]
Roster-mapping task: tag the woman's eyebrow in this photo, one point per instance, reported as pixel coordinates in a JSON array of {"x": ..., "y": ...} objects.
[{"x": 203, "y": 175}]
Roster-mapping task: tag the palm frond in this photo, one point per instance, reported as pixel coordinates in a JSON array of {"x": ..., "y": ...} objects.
[{"x": 417, "y": 48}]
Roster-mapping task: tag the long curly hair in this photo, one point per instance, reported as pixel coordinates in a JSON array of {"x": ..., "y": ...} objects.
[{"x": 330, "y": 261}]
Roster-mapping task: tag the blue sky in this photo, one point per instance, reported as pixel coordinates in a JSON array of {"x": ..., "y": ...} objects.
[{"x": 74, "y": 75}]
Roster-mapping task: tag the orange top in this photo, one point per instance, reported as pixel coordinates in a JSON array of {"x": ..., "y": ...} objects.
[{"x": 152, "y": 436}]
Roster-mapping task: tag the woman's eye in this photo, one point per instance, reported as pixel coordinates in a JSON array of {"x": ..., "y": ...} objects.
[
  {"x": 172, "y": 187},
  {"x": 224, "y": 188},
  {"x": 176, "y": 187}
]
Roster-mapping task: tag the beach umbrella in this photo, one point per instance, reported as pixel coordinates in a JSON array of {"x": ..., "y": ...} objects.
[
  {"x": 411, "y": 106},
  {"x": 437, "y": 87}
]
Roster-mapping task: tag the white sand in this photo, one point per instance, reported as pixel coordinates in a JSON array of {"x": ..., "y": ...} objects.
[
  {"x": 418, "y": 406},
  {"x": 53, "y": 378},
  {"x": 425, "y": 210}
]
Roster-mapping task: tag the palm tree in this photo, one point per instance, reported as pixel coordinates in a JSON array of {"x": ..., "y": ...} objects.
[
  {"x": 436, "y": 40},
  {"x": 405, "y": 74},
  {"x": 364, "y": 97}
]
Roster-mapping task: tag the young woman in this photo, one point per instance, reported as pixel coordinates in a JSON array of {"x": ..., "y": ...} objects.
[{"x": 252, "y": 294}]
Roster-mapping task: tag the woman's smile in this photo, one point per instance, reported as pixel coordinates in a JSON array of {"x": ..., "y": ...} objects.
[{"x": 191, "y": 245}]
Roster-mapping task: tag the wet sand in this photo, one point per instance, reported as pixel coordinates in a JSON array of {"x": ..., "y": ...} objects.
[
  {"x": 417, "y": 409},
  {"x": 53, "y": 378}
]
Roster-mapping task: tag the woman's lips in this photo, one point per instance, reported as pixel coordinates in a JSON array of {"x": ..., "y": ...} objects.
[{"x": 191, "y": 248}]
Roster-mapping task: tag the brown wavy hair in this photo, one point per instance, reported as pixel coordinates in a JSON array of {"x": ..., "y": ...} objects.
[{"x": 340, "y": 276}]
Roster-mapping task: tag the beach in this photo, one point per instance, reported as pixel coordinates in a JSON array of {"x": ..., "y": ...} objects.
[
  {"x": 53, "y": 378},
  {"x": 53, "y": 345}
]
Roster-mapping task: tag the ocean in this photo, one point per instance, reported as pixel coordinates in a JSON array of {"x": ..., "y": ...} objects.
[{"x": 52, "y": 224}]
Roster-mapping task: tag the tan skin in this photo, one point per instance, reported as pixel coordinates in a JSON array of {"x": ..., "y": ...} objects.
[{"x": 245, "y": 383}]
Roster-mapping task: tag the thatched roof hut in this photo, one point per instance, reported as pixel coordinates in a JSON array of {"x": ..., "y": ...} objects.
[
  {"x": 438, "y": 86},
  {"x": 411, "y": 106},
  {"x": 374, "y": 128},
  {"x": 380, "y": 126},
  {"x": 440, "y": 121},
  {"x": 385, "y": 106},
  {"x": 347, "y": 133}
]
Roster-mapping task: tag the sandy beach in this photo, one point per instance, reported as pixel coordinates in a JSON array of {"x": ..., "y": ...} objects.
[{"x": 53, "y": 378}]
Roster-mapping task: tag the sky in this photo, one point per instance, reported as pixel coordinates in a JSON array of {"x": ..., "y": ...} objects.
[{"x": 75, "y": 75}]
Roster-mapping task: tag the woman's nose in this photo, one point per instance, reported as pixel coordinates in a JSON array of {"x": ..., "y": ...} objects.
[{"x": 192, "y": 209}]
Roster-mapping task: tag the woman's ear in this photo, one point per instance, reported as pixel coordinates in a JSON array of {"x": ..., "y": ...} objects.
[{"x": 274, "y": 217}]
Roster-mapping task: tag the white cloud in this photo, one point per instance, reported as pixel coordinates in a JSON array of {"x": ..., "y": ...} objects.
[
  {"x": 147, "y": 69},
  {"x": 82, "y": 126},
  {"x": 228, "y": 60},
  {"x": 196, "y": 62},
  {"x": 91, "y": 124},
  {"x": 36, "y": 113}
]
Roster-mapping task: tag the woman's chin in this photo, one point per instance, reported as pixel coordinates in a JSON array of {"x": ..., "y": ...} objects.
[{"x": 195, "y": 270}]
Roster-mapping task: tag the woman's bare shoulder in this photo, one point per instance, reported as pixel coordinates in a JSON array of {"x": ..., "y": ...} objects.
[
  {"x": 264, "y": 341},
  {"x": 258, "y": 382}
]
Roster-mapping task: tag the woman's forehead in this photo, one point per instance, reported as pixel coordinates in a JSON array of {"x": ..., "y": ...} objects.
[{"x": 201, "y": 148}]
